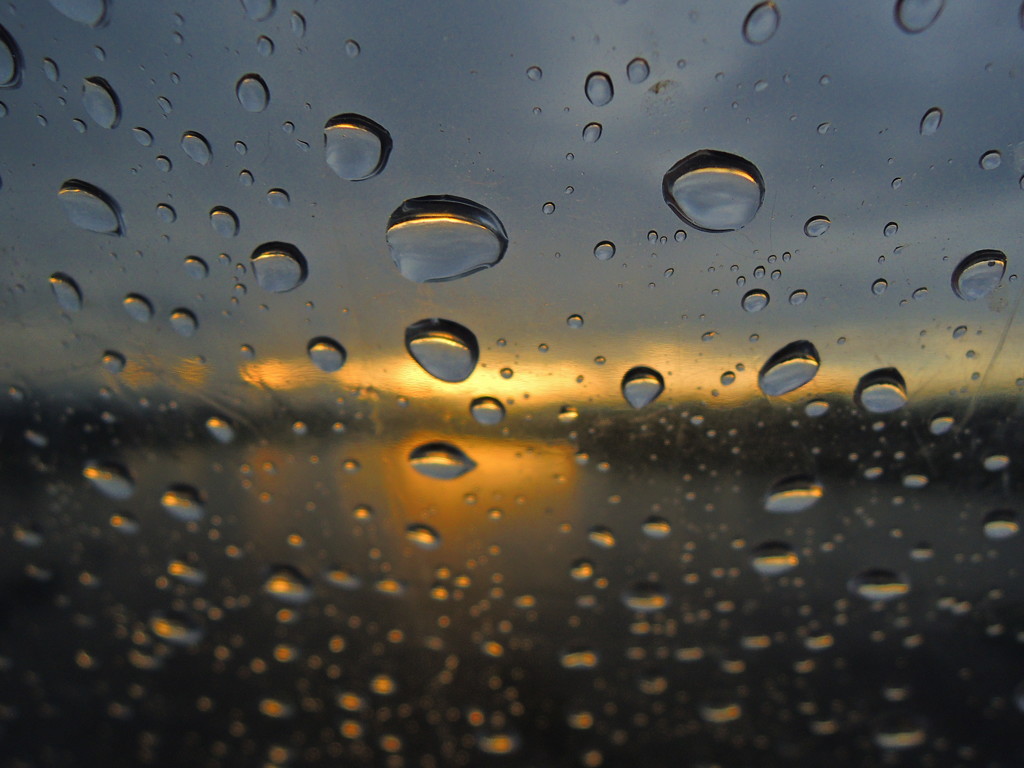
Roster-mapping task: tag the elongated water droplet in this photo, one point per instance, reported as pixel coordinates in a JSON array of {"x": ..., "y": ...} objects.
[
  {"x": 900, "y": 731},
  {"x": 879, "y": 585},
  {"x": 197, "y": 147},
  {"x": 592, "y": 132},
  {"x": 1001, "y": 524},
  {"x": 440, "y": 238},
  {"x": 761, "y": 23},
  {"x": 326, "y": 354},
  {"x": 252, "y": 93},
  {"x": 638, "y": 70},
  {"x": 755, "y": 300},
  {"x": 931, "y": 121},
  {"x": 641, "y": 386},
  {"x": 112, "y": 480},
  {"x": 602, "y": 537},
  {"x": 646, "y": 597},
  {"x": 774, "y": 558},
  {"x": 176, "y": 628},
  {"x": 881, "y": 391},
  {"x": 487, "y": 411},
  {"x": 259, "y": 10},
  {"x": 789, "y": 369},
  {"x": 423, "y": 536},
  {"x": 224, "y": 221},
  {"x": 656, "y": 528},
  {"x": 279, "y": 267},
  {"x": 793, "y": 494},
  {"x": 915, "y": 16},
  {"x": 66, "y": 291},
  {"x": 183, "y": 502},
  {"x": 186, "y": 573},
  {"x": 101, "y": 102},
  {"x": 599, "y": 89},
  {"x": 184, "y": 322},
  {"x": 89, "y": 12},
  {"x": 441, "y": 461},
  {"x": 90, "y": 208},
  {"x": 10, "y": 61},
  {"x": 714, "y": 191},
  {"x": 446, "y": 350},
  {"x": 288, "y": 585},
  {"x": 579, "y": 658},
  {"x": 816, "y": 226},
  {"x": 220, "y": 429},
  {"x": 356, "y": 147},
  {"x": 138, "y": 307},
  {"x": 979, "y": 274}
]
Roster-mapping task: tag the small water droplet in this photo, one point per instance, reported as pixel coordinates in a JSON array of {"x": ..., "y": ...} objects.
[
  {"x": 101, "y": 102},
  {"x": 441, "y": 238},
  {"x": 931, "y": 121},
  {"x": 991, "y": 160},
  {"x": 581, "y": 658},
  {"x": 92, "y": 13},
  {"x": 941, "y": 424},
  {"x": 487, "y": 411},
  {"x": 790, "y": 368},
  {"x": 90, "y": 208},
  {"x": 979, "y": 274},
  {"x": 264, "y": 46},
  {"x": 183, "y": 502},
  {"x": 278, "y": 198},
  {"x": 774, "y": 558},
  {"x": 959, "y": 331},
  {"x": 646, "y": 597},
  {"x": 881, "y": 391},
  {"x": 298, "y": 24},
  {"x": 599, "y": 89},
  {"x": 138, "y": 307},
  {"x": 184, "y": 322},
  {"x": 997, "y": 462},
  {"x": 224, "y": 221},
  {"x": 197, "y": 147},
  {"x": 175, "y": 628},
  {"x": 112, "y": 480},
  {"x": 601, "y": 537},
  {"x": 534, "y": 73},
  {"x": 879, "y": 287},
  {"x": 592, "y": 132},
  {"x": 352, "y": 48},
  {"x": 761, "y": 23},
  {"x": 714, "y": 191},
  {"x": 10, "y": 61},
  {"x": 166, "y": 213},
  {"x": 548, "y": 208},
  {"x": 278, "y": 267},
  {"x": 252, "y": 93},
  {"x": 355, "y": 147},
  {"x": 327, "y": 354},
  {"x": 879, "y": 585},
  {"x": 638, "y": 70},
  {"x": 915, "y": 16},
  {"x": 656, "y": 528},
  {"x": 446, "y": 350},
  {"x": 793, "y": 494},
  {"x": 441, "y": 461},
  {"x": 423, "y": 536},
  {"x": 113, "y": 362},
  {"x": 605, "y": 250},
  {"x": 817, "y": 226},
  {"x": 1001, "y": 524},
  {"x": 574, "y": 321},
  {"x": 66, "y": 291},
  {"x": 220, "y": 429},
  {"x": 288, "y": 585},
  {"x": 798, "y": 297},
  {"x": 258, "y": 10},
  {"x": 642, "y": 386},
  {"x": 755, "y": 300},
  {"x": 144, "y": 137},
  {"x": 50, "y": 68}
]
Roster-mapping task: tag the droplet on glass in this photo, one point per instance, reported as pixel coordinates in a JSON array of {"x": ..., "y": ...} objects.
[
  {"x": 605, "y": 250},
  {"x": 646, "y": 597},
  {"x": 599, "y": 89},
  {"x": 761, "y": 23},
  {"x": 327, "y": 354},
  {"x": 899, "y": 730},
  {"x": 915, "y": 16},
  {"x": 10, "y": 61},
  {"x": 487, "y": 411},
  {"x": 278, "y": 198},
  {"x": 288, "y": 585},
  {"x": 931, "y": 121},
  {"x": 114, "y": 362},
  {"x": 183, "y": 502},
  {"x": 224, "y": 221},
  {"x": 789, "y": 369},
  {"x": 184, "y": 322},
  {"x": 66, "y": 291},
  {"x": 112, "y": 480},
  {"x": 220, "y": 429},
  {"x": 196, "y": 147},
  {"x": 991, "y": 160},
  {"x": 755, "y": 300},
  {"x": 252, "y": 93},
  {"x": 355, "y": 147},
  {"x": 879, "y": 286},
  {"x": 534, "y": 73},
  {"x": 176, "y": 628},
  {"x": 714, "y": 191},
  {"x": 774, "y": 558},
  {"x": 592, "y": 132},
  {"x": 798, "y": 297},
  {"x": 1001, "y": 524},
  {"x": 90, "y": 208},
  {"x": 441, "y": 461},
  {"x": 446, "y": 350},
  {"x": 641, "y": 386},
  {"x": 979, "y": 274},
  {"x": 258, "y": 10},
  {"x": 92, "y": 13},
  {"x": 638, "y": 70},
  {"x": 423, "y": 536},
  {"x": 138, "y": 307},
  {"x": 101, "y": 102},
  {"x": 941, "y": 424},
  {"x": 793, "y": 494},
  {"x": 352, "y": 48},
  {"x": 816, "y": 408},
  {"x": 278, "y": 267},
  {"x": 879, "y": 585},
  {"x": 816, "y": 226},
  {"x": 196, "y": 268},
  {"x": 881, "y": 391}
]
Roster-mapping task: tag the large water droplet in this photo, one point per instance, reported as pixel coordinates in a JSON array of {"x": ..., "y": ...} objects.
[
  {"x": 259, "y": 10},
  {"x": 288, "y": 585},
  {"x": 224, "y": 221},
  {"x": 604, "y": 250},
  {"x": 90, "y": 12},
  {"x": 184, "y": 322},
  {"x": 423, "y": 536},
  {"x": 599, "y": 89},
  {"x": 279, "y": 267},
  {"x": 197, "y": 147},
  {"x": 879, "y": 585},
  {"x": 816, "y": 226},
  {"x": 1001, "y": 524},
  {"x": 789, "y": 369},
  {"x": 793, "y": 494},
  {"x": 183, "y": 502},
  {"x": 252, "y": 93},
  {"x": 440, "y": 238},
  {"x": 487, "y": 411},
  {"x": 638, "y": 70},
  {"x": 101, "y": 102},
  {"x": 714, "y": 191},
  {"x": 326, "y": 354},
  {"x": 979, "y": 274},
  {"x": 10, "y": 61},
  {"x": 641, "y": 386},
  {"x": 441, "y": 461},
  {"x": 931, "y": 121},
  {"x": 112, "y": 480},
  {"x": 774, "y": 558},
  {"x": 90, "y": 208},
  {"x": 917, "y": 15},
  {"x": 755, "y": 300},
  {"x": 446, "y": 350},
  {"x": 356, "y": 147},
  {"x": 881, "y": 391},
  {"x": 66, "y": 291},
  {"x": 761, "y": 23}
]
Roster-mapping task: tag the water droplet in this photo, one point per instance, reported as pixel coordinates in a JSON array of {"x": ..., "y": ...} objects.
[
  {"x": 548, "y": 208},
  {"x": 755, "y": 300},
  {"x": 487, "y": 411},
  {"x": 89, "y": 12},
  {"x": 446, "y": 350},
  {"x": 959, "y": 331},
  {"x": 183, "y": 322},
  {"x": 534, "y": 73},
  {"x": 224, "y": 221},
  {"x": 356, "y": 147},
  {"x": 1001, "y": 524},
  {"x": 441, "y": 461},
  {"x": 252, "y": 93},
  {"x": 599, "y": 89},
  {"x": 761, "y": 23},
  {"x": 979, "y": 274},
  {"x": 112, "y": 480},
  {"x": 66, "y": 291},
  {"x": 113, "y": 362},
  {"x": 638, "y": 70},
  {"x": 817, "y": 226},
  {"x": 278, "y": 267},
  {"x": 601, "y": 537},
  {"x": 90, "y": 208},
  {"x": 774, "y": 558},
  {"x": 592, "y": 132},
  {"x": 352, "y": 48},
  {"x": 646, "y": 597},
  {"x": 604, "y": 250},
  {"x": 881, "y": 391},
  {"x": 278, "y": 198},
  {"x": 258, "y": 10},
  {"x": 789, "y": 369},
  {"x": 582, "y": 658},
  {"x": 997, "y": 462},
  {"x": 798, "y": 297},
  {"x": 574, "y": 321},
  {"x": 440, "y": 238},
  {"x": 144, "y": 137},
  {"x": 10, "y": 61},
  {"x": 423, "y": 536},
  {"x": 220, "y": 429},
  {"x": 941, "y": 424},
  {"x": 50, "y": 69},
  {"x": 197, "y": 147},
  {"x": 298, "y": 24},
  {"x": 175, "y": 628},
  {"x": 793, "y": 494},
  {"x": 641, "y": 386},
  {"x": 931, "y": 121},
  {"x": 183, "y": 502},
  {"x": 100, "y": 102},
  {"x": 289, "y": 585},
  {"x": 917, "y": 15},
  {"x": 138, "y": 307},
  {"x": 879, "y": 585},
  {"x": 714, "y": 191},
  {"x": 196, "y": 268},
  {"x": 991, "y": 160},
  {"x": 879, "y": 287},
  {"x": 720, "y": 712},
  {"x": 891, "y": 229},
  {"x": 326, "y": 354},
  {"x": 166, "y": 213},
  {"x": 656, "y": 528},
  {"x": 264, "y": 46}
]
